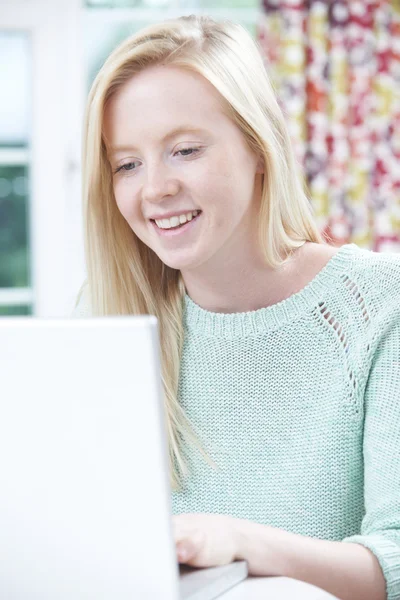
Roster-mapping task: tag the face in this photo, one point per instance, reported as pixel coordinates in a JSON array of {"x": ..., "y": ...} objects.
[{"x": 173, "y": 150}]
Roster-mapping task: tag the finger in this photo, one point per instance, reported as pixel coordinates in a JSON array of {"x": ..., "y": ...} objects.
[
  {"x": 181, "y": 529},
  {"x": 186, "y": 550},
  {"x": 187, "y": 534},
  {"x": 188, "y": 546}
]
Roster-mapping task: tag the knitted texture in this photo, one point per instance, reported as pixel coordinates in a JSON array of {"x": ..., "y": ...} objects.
[{"x": 298, "y": 404}]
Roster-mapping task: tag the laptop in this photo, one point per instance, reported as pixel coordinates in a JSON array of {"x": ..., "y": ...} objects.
[{"x": 85, "y": 507}]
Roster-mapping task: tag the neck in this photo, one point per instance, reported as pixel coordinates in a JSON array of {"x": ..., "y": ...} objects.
[{"x": 238, "y": 284}]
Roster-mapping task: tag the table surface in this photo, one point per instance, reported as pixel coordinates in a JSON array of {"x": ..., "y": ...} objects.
[{"x": 275, "y": 588}]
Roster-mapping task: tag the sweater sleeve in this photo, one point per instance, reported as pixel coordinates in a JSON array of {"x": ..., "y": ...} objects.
[{"x": 380, "y": 528}]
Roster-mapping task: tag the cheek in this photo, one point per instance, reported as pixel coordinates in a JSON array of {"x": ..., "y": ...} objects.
[
  {"x": 224, "y": 192},
  {"x": 125, "y": 199},
  {"x": 215, "y": 184}
]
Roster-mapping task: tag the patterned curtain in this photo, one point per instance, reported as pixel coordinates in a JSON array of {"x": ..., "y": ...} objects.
[{"x": 335, "y": 65}]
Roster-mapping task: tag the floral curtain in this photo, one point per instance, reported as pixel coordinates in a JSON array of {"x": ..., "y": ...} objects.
[{"x": 335, "y": 65}]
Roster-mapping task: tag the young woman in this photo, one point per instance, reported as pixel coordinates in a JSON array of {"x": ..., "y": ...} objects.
[{"x": 280, "y": 353}]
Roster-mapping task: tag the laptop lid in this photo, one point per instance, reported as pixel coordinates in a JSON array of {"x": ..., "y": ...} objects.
[{"x": 85, "y": 500}]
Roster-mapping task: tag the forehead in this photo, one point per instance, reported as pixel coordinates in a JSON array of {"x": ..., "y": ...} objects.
[{"x": 159, "y": 99}]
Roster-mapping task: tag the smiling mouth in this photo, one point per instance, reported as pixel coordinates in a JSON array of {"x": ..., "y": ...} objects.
[{"x": 177, "y": 226}]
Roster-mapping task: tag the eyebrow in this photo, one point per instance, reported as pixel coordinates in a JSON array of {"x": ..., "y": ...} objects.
[{"x": 169, "y": 135}]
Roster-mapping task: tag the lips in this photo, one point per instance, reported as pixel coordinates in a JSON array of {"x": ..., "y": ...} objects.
[
  {"x": 173, "y": 214},
  {"x": 178, "y": 230},
  {"x": 180, "y": 224}
]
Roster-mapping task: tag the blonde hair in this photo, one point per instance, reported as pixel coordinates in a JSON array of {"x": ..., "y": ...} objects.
[{"x": 127, "y": 277}]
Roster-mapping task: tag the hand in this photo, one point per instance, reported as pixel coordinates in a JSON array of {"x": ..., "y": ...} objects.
[{"x": 205, "y": 540}]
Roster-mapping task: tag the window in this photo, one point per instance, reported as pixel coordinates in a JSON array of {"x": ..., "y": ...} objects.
[
  {"x": 41, "y": 107},
  {"x": 15, "y": 102}
]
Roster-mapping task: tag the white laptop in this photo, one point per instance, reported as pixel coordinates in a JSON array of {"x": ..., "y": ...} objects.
[{"x": 84, "y": 490}]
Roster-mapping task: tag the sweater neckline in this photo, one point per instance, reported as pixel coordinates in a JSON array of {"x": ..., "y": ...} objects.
[{"x": 250, "y": 323}]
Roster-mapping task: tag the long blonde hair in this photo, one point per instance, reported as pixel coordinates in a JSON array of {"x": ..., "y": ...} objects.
[{"x": 127, "y": 277}]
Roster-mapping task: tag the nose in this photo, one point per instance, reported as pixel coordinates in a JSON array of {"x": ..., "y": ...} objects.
[{"x": 158, "y": 183}]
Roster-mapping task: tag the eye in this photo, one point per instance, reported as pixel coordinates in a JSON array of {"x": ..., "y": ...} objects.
[
  {"x": 126, "y": 167},
  {"x": 189, "y": 151}
]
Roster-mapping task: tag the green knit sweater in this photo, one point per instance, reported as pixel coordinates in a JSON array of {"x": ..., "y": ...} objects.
[{"x": 298, "y": 404}]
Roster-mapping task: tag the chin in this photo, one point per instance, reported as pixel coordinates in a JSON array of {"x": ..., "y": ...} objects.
[{"x": 179, "y": 264}]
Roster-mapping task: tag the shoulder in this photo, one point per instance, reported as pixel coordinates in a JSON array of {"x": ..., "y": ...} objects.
[
  {"x": 364, "y": 284},
  {"x": 375, "y": 279},
  {"x": 313, "y": 257},
  {"x": 82, "y": 307},
  {"x": 377, "y": 273}
]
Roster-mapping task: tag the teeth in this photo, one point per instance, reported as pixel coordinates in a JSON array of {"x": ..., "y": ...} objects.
[{"x": 175, "y": 221}]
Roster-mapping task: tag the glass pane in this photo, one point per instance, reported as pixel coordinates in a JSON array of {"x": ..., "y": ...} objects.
[
  {"x": 15, "y": 97},
  {"x": 14, "y": 245},
  {"x": 13, "y": 311}
]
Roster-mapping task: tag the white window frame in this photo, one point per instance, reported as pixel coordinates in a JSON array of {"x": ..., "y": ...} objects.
[{"x": 56, "y": 256}]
